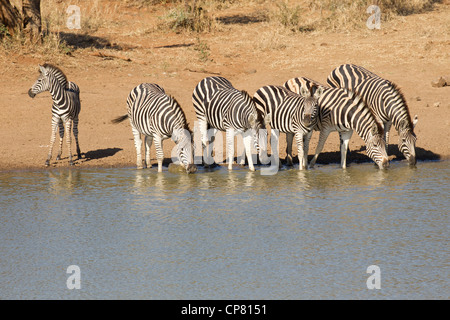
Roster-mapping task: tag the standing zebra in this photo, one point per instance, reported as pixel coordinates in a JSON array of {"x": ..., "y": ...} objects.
[
  {"x": 345, "y": 112},
  {"x": 222, "y": 107},
  {"x": 65, "y": 108},
  {"x": 157, "y": 116},
  {"x": 290, "y": 113},
  {"x": 386, "y": 101}
]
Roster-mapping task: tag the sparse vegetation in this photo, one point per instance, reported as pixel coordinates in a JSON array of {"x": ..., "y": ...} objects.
[
  {"x": 202, "y": 16},
  {"x": 342, "y": 15},
  {"x": 188, "y": 18},
  {"x": 203, "y": 50}
]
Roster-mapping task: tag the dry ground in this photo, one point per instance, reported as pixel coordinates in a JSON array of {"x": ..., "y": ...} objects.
[{"x": 410, "y": 50}]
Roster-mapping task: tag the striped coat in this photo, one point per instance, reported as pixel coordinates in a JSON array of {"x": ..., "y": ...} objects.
[{"x": 65, "y": 108}]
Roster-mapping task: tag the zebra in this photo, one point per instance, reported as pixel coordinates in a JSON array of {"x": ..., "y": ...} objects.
[
  {"x": 292, "y": 113},
  {"x": 65, "y": 108},
  {"x": 157, "y": 116},
  {"x": 343, "y": 111},
  {"x": 386, "y": 101},
  {"x": 220, "y": 106}
]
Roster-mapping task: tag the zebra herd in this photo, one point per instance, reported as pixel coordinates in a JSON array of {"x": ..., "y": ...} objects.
[{"x": 354, "y": 99}]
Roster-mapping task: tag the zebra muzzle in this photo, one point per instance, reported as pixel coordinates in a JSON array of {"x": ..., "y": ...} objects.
[
  {"x": 412, "y": 160},
  {"x": 307, "y": 119},
  {"x": 191, "y": 168},
  {"x": 31, "y": 94}
]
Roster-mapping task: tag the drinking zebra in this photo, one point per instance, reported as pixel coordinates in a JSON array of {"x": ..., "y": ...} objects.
[
  {"x": 65, "y": 108},
  {"x": 292, "y": 113},
  {"x": 157, "y": 116},
  {"x": 386, "y": 101},
  {"x": 344, "y": 111},
  {"x": 220, "y": 106}
]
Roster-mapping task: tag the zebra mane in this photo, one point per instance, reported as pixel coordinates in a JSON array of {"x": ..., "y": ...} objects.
[
  {"x": 58, "y": 73},
  {"x": 403, "y": 99},
  {"x": 246, "y": 94}
]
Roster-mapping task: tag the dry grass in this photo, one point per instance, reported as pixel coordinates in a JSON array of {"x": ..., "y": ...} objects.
[{"x": 201, "y": 16}]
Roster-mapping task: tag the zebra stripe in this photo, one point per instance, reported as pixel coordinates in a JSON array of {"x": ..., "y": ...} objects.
[
  {"x": 65, "y": 108},
  {"x": 386, "y": 101},
  {"x": 290, "y": 113},
  {"x": 220, "y": 106},
  {"x": 158, "y": 116},
  {"x": 345, "y": 112}
]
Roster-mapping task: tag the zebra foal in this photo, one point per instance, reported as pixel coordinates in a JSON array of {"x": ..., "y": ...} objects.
[
  {"x": 220, "y": 106},
  {"x": 343, "y": 111},
  {"x": 386, "y": 101},
  {"x": 292, "y": 113},
  {"x": 157, "y": 116},
  {"x": 65, "y": 108}
]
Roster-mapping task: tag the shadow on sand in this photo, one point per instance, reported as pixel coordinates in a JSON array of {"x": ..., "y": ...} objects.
[
  {"x": 100, "y": 153},
  {"x": 359, "y": 156}
]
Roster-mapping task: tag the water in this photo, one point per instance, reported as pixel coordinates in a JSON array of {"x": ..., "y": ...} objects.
[{"x": 226, "y": 235}]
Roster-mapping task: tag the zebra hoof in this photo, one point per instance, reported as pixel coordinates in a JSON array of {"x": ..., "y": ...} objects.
[
  {"x": 70, "y": 163},
  {"x": 47, "y": 163},
  {"x": 58, "y": 157}
]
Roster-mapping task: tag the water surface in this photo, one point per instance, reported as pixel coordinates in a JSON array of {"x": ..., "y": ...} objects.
[{"x": 139, "y": 234}]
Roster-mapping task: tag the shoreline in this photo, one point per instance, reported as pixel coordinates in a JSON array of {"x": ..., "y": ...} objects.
[{"x": 327, "y": 158}]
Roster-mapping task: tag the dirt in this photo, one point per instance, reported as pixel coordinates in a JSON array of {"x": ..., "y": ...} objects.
[{"x": 412, "y": 51}]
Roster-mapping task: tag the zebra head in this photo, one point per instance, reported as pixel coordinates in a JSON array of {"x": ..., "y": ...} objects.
[
  {"x": 311, "y": 106},
  {"x": 252, "y": 119},
  {"x": 42, "y": 83},
  {"x": 407, "y": 140},
  {"x": 184, "y": 140},
  {"x": 376, "y": 147}
]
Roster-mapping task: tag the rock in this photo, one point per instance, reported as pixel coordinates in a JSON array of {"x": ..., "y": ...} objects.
[
  {"x": 418, "y": 99},
  {"x": 442, "y": 82},
  {"x": 437, "y": 104},
  {"x": 177, "y": 168}
]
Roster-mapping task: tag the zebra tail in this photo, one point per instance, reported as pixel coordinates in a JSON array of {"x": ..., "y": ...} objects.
[{"x": 119, "y": 119}]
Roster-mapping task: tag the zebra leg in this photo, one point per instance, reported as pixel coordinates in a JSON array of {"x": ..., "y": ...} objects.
[
  {"x": 137, "y": 144},
  {"x": 75, "y": 134},
  {"x": 209, "y": 149},
  {"x": 69, "y": 139},
  {"x": 289, "y": 140},
  {"x": 241, "y": 149},
  {"x": 230, "y": 147},
  {"x": 159, "y": 152},
  {"x": 203, "y": 127},
  {"x": 147, "y": 145},
  {"x": 248, "y": 139},
  {"x": 387, "y": 128},
  {"x": 55, "y": 123},
  {"x": 322, "y": 138},
  {"x": 306, "y": 140},
  {"x": 344, "y": 139},
  {"x": 301, "y": 151},
  {"x": 61, "y": 137}
]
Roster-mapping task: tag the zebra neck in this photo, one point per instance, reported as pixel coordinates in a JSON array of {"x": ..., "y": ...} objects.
[
  {"x": 396, "y": 108},
  {"x": 58, "y": 93}
]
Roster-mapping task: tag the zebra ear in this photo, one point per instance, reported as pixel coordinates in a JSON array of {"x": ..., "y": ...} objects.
[
  {"x": 416, "y": 119},
  {"x": 304, "y": 92},
  {"x": 403, "y": 125},
  {"x": 318, "y": 92},
  {"x": 43, "y": 70},
  {"x": 252, "y": 119},
  {"x": 374, "y": 129}
]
